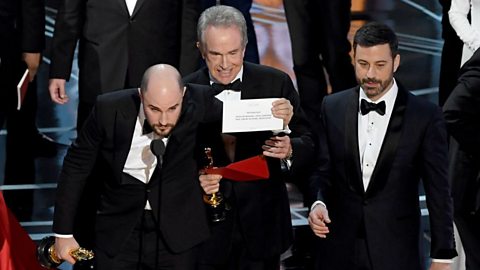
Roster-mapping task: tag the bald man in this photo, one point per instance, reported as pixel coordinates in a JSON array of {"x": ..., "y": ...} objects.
[{"x": 150, "y": 212}]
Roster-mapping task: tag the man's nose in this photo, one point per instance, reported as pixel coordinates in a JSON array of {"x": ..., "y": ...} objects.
[
  {"x": 371, "y": 72},
  {"x": 224, "y": 63},
  {"x": 162, "y": 119}
]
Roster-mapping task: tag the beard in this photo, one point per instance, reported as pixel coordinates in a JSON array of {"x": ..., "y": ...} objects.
[
  {"x": 377, "y": 91},
  {"x": 163, "y": 130}
]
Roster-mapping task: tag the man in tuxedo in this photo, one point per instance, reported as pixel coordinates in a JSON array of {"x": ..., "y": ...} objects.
[
  {"x": 377, "y": 142},
  {"x": 150, "y": 212},
  {"x": 462, "y": 112},
  {"x": 258, "y": 227},
  {"x": 118, "y": 41}
]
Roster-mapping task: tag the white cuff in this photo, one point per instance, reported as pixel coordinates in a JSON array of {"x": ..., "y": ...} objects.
[
  {"x": 286, "y": 130},
  {"x": 63, "y": 235},
  {"x": 317, "y": 203},
  {"x": 442, "y": 260}
]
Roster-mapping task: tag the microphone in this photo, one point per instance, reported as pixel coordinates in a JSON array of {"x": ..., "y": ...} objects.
[{"x": 158, "y": 149}]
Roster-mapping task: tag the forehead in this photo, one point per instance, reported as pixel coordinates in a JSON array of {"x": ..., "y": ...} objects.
[
  {"x": 374, "y": 53},
  {"x": 222, "y": 34},
  {"x": 162, "y": 94}
]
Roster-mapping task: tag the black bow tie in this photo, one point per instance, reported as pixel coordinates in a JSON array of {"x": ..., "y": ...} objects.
[
  {"x": 235, "y": 86},
  {"x": 366, "y": 107},
  {"x": 146, "y": 127}
]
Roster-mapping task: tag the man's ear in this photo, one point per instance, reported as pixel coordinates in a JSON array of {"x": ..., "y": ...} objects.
[
  {"x": 396, "y": 62},
  {"x": 200, "y": 48},
  {"x": 140, "y": 94}
]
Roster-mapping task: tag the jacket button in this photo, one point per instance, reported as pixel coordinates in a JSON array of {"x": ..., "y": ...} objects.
[
  {"x": 365, "y": 202},
  {"x": 148, "y": 190}
]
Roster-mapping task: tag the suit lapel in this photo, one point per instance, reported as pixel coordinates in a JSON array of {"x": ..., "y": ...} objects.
[
  {"x": 251, "y": 86},
  {"x": 203, "y": 77},
  {"x": 390, "y": 144},
  {"x": 124, "y": 126},
  {"x": 123, "y": 6},
  {"x": 352, "y": 154},
  {"x": 138, "y": 5}
]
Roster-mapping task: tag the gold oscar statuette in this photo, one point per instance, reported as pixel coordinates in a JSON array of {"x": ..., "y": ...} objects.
[
  {"x": 215, "y": 201},
  {"x": 47, "y": 257}
]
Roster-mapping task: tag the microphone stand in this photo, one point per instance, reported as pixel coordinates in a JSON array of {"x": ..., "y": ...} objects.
[{"x": 157, "y": 147}]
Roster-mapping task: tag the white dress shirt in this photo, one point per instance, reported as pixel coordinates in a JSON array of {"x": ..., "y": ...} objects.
[
  {"x": 371, "y": 132},
  {"x": 131, "y": 5},
  {"x": 141, "y": 162}
]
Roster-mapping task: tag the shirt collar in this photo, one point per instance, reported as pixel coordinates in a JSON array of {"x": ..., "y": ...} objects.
[{"x": 389, "y": 97}]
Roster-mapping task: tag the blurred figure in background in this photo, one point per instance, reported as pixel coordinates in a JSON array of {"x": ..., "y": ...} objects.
[
  {"x": 451, "y": 56},
  {"x": 320, "y": 49},
  {"x": 467, "y": 27},
  {"x": 118, "y": 41},
  {"x": 22, "y": 28},
  {"x": 462, "y": 113}
]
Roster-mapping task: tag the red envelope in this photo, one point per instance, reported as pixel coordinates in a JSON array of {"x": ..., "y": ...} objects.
[
  {"x": 254, "y": 168},
  {"x": 22, "y": 89}
]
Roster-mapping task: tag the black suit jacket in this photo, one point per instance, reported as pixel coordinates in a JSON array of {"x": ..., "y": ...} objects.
[
  {"x": 174, "y": 192},
  {"x": 387, "y": 214},
  {"x": 462, "y": 112},
  {"x": 262, "y": 206},
  {"x": 22, "y": 27},
  {"x": 115, "y": 48},
  {"x": 22, "y": 24}
]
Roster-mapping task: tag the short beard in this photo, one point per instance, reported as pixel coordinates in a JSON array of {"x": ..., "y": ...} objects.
[
  {"x": 159, "y": 129},
  {"x": 383, "y": 85}
]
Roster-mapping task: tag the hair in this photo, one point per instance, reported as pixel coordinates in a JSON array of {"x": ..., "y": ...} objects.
[
  {"x": 221, "y": 16},
  {"x": 157, "y": 70},
  {"x": 375, "y": 33}
]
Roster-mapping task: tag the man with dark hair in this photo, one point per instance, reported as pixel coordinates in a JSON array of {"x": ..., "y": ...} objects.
[
  {"x": 258, "y": 226},
  {"x": 150, "y": 213},
  {"x": 377, "y": 142}
]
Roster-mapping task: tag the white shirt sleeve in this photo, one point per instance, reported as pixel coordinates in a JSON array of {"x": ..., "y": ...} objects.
[{"x": 458, "y": 19}]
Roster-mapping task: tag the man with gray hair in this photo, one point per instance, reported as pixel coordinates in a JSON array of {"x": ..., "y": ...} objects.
[
  {"x": 150, "y": 213},
  {"x": 257, "y": 227}
]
